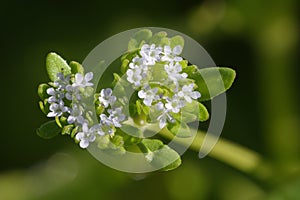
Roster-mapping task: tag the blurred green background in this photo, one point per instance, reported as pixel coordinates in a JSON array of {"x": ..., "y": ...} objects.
[{"x": 259, "y": 39}]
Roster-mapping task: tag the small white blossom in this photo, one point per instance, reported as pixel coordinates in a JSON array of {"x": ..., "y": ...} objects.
[
  {"x": 75, "y": 114},
  {"x": 57, "y": 109},
  {"x": 137, "y": 62},
  {"x": 174, "y": 104},
  {"x": 164, "y": 114},
  {"x": 173, "y": 72},
  {"x": 72, "y": 93},
  {"x": 83, "y": 81},
  {"x": 62, "y": 81},
  {"x": 116, "y": 116},
  {"x": 106, "y": 97},
  {"x": 85, "y": 136},
  {"x": 164, "y": 117},
  {"x": 172, "y": 55},
  {"x": 187, "y": 92},
  {"x": 150, "y": 53},
  {"x": 56, "y": 95},
  {"x": 134, "y": 76},
  {"x": 149, "y": 95},
  {"x": 106, "y": 125}
]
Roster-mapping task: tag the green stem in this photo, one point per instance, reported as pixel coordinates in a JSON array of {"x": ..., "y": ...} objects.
[{"x": 235, "y": 155}]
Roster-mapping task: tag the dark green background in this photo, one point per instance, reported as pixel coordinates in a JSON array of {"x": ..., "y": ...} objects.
[{"x": 259, "y": 39}]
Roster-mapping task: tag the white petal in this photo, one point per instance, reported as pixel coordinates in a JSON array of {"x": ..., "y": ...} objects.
[
  {"x": 68, "y": 96},
  {"x": 71, "y": 119},
  {"x": 162, "y": 122},
  {"x": 79, "y": 136},
  {"x": 85, "y": 128},
  {"x": 188, "y": 99},
  {"x": 84, "y": 144},
  {"x": 92, "y": 138},
  {"x": 169, "y": 106},
  {"x": 50, "y": 91},
  {"x": 88, "y": 76},
  {"x": 177, "y": 50},
  {"x": 159, "y": 106},
  {"x": 142, "y": 94},
  {"x": 78, "y": 78},
  {"x": 147, "y": 101},
  {"x": 112, "y": 100},
  {"x": 195, "y": 95},
  {"x": 51, "y": 114},
  {"x": 167, "y": 49}
]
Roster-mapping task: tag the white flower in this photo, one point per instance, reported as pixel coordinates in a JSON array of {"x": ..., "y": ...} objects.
[
  {"x": 106, "y": 97},
  {"x": 174, "y": 104},
  {"x": 164, "y": 114},
  {"x": 116, "y": 116},
  {"x": 83, "y": 81},
  {"x": 56, "y": 95},
  {"x": 151, "y": 54},
  {"x": 105, "y": 120},
  {"x": 187, "y": 92},
  {"x": 148, "y": 95},
  {"x": 134, "y": 76},
  {"x": 72, "y": 93},
  {"x": 172, "y": 55},
  {"x": 164, "y": 117},
  {"x": 173, "y": 72},
  {"x": 75, "y": 114},
  {"x": 62, "y": 81},
  {"x": 85, "y": 136},
  {"x": 57, "y": 109},
  {"x": 137, "y": 62},
  {"x": 106, "y": 125}
]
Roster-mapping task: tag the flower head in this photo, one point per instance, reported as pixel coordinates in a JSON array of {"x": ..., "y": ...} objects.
[
  {"x": 106, "y": 97},
  {"x": 172, "y": 55},
  {"x": 174, "y": 104},
  {"x": 149, "y": 95},
  {"x": 83, "y": 81},
  {"x": 62, "y": 81},
  {"x": 134, "y": 76},
  {"x": 116, "y": 116},
  {"x": 85, "y": 136},
  {"x": 56, "y": 95},
  {"x": 57, "y": 109},
  {"x": 187, "y": 92},
  {"x": 150, "y": 53}
]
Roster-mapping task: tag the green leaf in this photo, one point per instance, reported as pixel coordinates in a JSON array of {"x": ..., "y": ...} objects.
[
  {"x": 190, "y": 111},
  {"x": 180, "y": 129},
  {"x": 76, "y": 67},
  {"x": 176, "y": 40},
  {"x": 159, "y": 155},
  {"x": 74, "y": 131},
  {"x": 211, "y": 81},
  {"x": 55, "y": 64},
  {"x": 138, "y": 38},
  {"x": 173, "y": 165},
  {"x": 42, "y": 91},
  {"x": 44, "y": 106},
  {"x": 48, "y": 130},
  {"x": 67, "y": 129},
  {"x": 203, "y": 113},
  {"x": 160, "y": 39}
]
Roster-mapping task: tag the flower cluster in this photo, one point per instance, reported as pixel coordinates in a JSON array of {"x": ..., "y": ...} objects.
[
  {"x": 71, "y": 90},
  {"x": 144, "y": 67}
]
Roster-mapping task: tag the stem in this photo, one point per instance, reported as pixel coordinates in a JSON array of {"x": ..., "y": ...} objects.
[{"x": 235, "y": 155}]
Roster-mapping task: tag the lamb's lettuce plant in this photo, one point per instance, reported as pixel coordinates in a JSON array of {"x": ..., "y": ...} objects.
[{"x": 168, "y": 93}]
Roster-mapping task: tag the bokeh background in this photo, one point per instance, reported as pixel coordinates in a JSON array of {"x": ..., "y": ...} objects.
[{"x": 259, "y": 39}]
